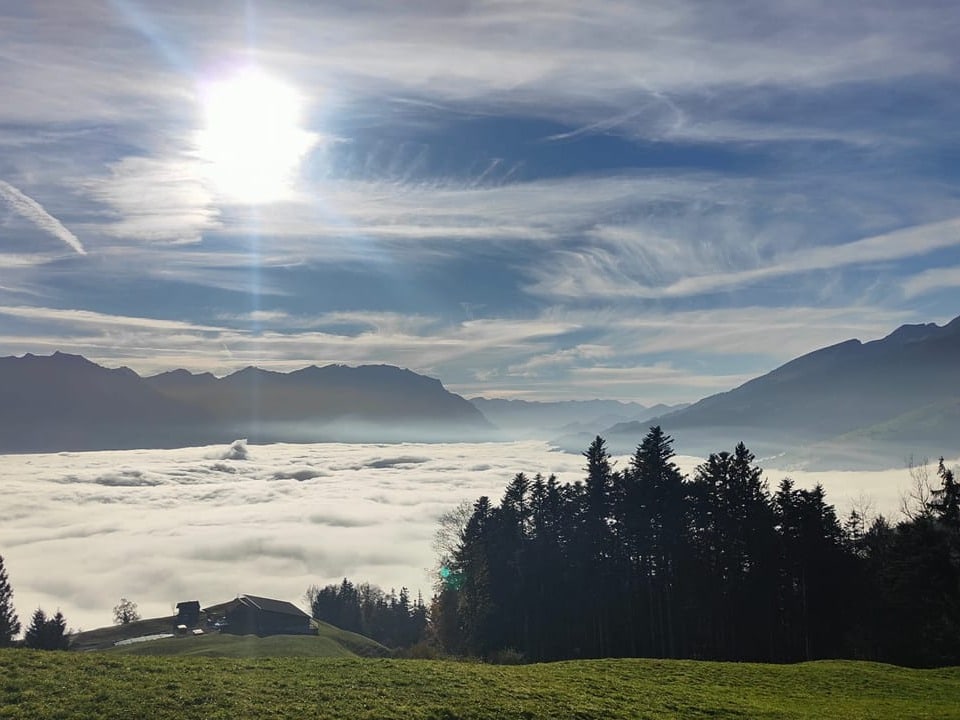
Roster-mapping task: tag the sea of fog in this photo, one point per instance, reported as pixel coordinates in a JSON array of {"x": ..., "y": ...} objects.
[{"x": 81, "y": 530}]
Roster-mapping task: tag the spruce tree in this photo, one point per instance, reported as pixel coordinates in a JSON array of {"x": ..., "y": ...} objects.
[
  {"x": 47, "y": 633},
  {"x": 56, "y": 632},
  {"x": 34, "y": 637},
  {"x": 946, "y": 500},
  {"x": 9, "y": 622}
]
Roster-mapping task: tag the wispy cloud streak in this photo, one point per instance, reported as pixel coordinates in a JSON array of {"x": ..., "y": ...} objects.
[{"x": 33, "y": 211}]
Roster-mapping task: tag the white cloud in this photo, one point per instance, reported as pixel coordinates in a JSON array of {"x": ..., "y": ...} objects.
[
  {"x": 601, "y": 272},
  {"x": 72, "y": 61},
  {"x": 931, "y": 280},
  {"x": 780, "y": 333},
  {"x": 577, "y": 355},
  {"x": 88, "y": 317},
  {"x": 164, "y": 200},
  {"x": 12, "y": 261},
  {"x": 151, "y": 345},
  {"x": 33, "y": 211}
]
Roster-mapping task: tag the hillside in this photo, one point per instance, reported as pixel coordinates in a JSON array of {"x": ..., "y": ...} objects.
[
  {"x": 329, "y": 641},
  {"x": 68, "y": 685},
  {"x": 65, "y": 402},
  {"x": 880, "y": 398}
]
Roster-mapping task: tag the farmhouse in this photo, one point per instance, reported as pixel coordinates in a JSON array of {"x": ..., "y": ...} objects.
[{"x": 252, "y": 615}]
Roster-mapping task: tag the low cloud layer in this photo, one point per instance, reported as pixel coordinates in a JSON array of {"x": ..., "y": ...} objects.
[{"x": 81, "y": 530}]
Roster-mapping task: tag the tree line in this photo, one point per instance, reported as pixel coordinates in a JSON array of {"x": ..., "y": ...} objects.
[
  {"x": 392, "y": 620},
  {"x": 644, "y": 561},
  {"x": 43, "y": 632}
]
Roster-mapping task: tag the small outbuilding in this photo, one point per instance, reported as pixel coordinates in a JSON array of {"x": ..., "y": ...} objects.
[
  {"x": 252, "y": 615},
  {"x": 188, "y": 613}
]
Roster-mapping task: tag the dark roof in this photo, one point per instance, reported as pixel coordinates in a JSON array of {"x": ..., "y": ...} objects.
[
  {"x": 275, "y": 606},
  {"x": 189, "y": 603}
]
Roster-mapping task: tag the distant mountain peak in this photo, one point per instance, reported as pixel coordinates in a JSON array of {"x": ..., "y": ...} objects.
[
  {"x": 67, "y": 357},
  {"x": 913, "y": 333},
  {"x": 836, "y": 391}
]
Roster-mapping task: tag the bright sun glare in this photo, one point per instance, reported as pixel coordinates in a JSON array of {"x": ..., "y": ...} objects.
[{"x": 252, "y": 140}]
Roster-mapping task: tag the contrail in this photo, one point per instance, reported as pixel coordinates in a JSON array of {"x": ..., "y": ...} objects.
[{"x": 33, "y": 211}]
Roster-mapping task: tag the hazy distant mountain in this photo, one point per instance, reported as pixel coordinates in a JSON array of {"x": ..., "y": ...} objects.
[
  {"x": 350, "y": 397},
  {"x": 884, "y": 397},
  {"x": 65, "y": 402},
  {"x": 526, "y": 418}
]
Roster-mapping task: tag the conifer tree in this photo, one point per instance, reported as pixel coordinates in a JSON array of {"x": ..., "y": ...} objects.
[
  {"x": 653, "y": 533},
  {"x": 36, "y": 632},
  {"x": 9, "y": 622},
  {"x": 56, "y": 632},
  {"x": 946, "y": 500}
]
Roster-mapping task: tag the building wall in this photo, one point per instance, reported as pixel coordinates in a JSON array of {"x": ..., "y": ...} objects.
[{"x": 245, "y": 620}]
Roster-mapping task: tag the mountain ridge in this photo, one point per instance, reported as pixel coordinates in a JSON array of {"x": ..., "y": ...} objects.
[
  {"x": 66, "y": 402},
  {"x": 841, "y": 390}
]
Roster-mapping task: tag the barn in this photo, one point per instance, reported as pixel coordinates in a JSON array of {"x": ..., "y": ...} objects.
[{"x": 253, "y": 615}]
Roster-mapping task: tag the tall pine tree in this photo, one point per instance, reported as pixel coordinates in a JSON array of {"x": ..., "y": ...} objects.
[{"x": 9, "y": 622}]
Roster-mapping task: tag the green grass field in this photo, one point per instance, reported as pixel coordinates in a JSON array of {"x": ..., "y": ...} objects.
[
  {"x": 109, "y": 685},
  {"x": 338, "y": 644},
  {"x": 329, "y": 641}
]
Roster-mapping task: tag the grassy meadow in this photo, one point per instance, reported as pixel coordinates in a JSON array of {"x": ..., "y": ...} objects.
[
  {"x": 84, "y": 685},
  {"x": 329, "y": 641},
  {"x": 335, "y": 644}
]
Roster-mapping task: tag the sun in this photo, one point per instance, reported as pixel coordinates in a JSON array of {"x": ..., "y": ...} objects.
[{"x": 252, "y": 141}]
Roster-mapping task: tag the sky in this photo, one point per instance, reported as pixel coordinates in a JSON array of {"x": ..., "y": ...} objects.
[
  {"x": 543, "y": 199},
  {"x": 208, "y": 523}
]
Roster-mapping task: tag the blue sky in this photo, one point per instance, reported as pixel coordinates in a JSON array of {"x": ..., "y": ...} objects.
[{"x": 642, "y": 201}]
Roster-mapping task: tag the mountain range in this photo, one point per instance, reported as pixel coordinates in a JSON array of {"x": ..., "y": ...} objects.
[
  {"x": 65, "y": 402},
  {"x": 852, "y": 404}
]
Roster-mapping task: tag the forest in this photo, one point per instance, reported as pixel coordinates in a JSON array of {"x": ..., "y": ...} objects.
[{"x": 644, "y": 562}]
